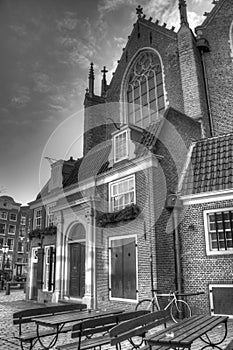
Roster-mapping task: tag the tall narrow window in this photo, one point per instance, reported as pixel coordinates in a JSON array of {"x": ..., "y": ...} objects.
[
  {"x": 145, "y": 90},
  {"x": 50, "y": 214},
  {"x": 38, "y": 218},
  {"x": 120, "y": 146}
]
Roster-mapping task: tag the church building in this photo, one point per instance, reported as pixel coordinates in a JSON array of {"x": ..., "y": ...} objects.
[{"x": 149, "y": 205}]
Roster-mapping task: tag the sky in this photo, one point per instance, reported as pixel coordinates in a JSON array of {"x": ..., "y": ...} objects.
[{"x": 46, "y": 48}]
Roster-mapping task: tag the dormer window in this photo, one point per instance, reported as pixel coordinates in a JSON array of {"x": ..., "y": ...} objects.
[{"x": 121, "y": 146}]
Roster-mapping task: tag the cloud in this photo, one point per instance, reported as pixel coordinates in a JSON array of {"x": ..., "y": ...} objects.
[
  {"x": 121, "y": 42},
  {"x": 21, "y": 97},
  {"x": 42, "y": 82},
  {"x": 194, "y": 19},
  {"x": 69, "y": 22}
]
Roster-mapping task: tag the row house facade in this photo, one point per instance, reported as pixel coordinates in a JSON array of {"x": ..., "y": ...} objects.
[
  {"x": 110, "y": 226},
  {"x": 15, "y": 225}
]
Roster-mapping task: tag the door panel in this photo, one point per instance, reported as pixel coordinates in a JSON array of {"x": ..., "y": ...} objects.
[{"x": 77, "y": 270}]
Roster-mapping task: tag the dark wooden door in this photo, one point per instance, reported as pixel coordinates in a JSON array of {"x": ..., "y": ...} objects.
[{"x": 77, "y": 270}]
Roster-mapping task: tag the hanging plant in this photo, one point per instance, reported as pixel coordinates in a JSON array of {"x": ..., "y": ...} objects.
[
  {"x": 37, "y": 233},
  {"x": 128, "y": 213}
]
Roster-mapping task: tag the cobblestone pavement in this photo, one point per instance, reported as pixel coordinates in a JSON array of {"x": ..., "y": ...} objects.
[{"x": 16, "y": 302}]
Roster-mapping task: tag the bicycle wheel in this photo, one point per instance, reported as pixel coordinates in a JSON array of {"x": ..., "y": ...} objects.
[
  {"x": 146, "y": 304},
  {"x": 180, "y": 311}
]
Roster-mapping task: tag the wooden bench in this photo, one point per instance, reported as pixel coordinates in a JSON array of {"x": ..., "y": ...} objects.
[
  {"x": 26, "y": 317},
  {"x": 138, "y": 327},
  {"x": 94, "y": 332}
]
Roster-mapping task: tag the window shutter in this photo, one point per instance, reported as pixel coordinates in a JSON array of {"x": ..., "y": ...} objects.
[
  {"x": 51, "y": 270},
  {"x": 40, "y": 267}
]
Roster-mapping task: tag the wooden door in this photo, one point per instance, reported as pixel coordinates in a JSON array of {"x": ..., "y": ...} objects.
[{"x": 77, "y": 270}]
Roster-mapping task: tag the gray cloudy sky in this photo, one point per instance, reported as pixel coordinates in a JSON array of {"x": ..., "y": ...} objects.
[{"x": 46, "y": 48}]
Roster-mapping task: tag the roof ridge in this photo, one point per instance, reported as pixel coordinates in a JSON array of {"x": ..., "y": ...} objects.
[{"x": 214, "y": 137}]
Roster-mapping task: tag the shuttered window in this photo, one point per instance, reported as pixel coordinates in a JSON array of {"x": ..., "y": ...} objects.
[
  {"x": 123, "y": 275},
  {"x": 49, "y": 268}
]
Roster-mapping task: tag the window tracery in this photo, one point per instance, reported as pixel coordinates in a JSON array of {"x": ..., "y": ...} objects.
[{"x": 145, "y": 90}]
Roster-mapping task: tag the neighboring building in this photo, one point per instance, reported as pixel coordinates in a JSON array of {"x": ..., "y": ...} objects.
[
  {"x": 206, "y": 231},
  {"x": 105, "y": 226},
  {"x": 14, "y": 235}
]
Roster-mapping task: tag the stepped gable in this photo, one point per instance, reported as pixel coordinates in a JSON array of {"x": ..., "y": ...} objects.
[{"x": 211, "y": 166}]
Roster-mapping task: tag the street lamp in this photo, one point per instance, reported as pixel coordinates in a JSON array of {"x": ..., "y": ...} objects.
[{"x": 5, "y": 250}]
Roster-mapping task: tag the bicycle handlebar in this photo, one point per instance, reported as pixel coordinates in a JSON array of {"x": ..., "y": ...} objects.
[{"x": 180, "y": 294}]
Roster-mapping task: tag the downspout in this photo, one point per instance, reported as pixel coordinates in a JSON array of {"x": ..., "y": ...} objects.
[
  {"x": 177, "y": 251},
  {"x": 173, "y": 203}
]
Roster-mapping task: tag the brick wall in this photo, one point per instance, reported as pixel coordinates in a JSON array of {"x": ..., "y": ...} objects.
[
  {"x": 192, "y": 77},
  {"x": 200, "y": 270},
  {"x": 219, "y": 67}
]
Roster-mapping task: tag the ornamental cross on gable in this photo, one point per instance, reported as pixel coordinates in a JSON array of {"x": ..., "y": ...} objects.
[{"x": 139, "y": 11}]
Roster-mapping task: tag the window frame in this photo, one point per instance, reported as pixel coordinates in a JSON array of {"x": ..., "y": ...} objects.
[
  {"x": 206, "y": 214},
  {"x": 13, "y": 243},
  {"x": 114, "y": 238},
  {"x": 49, "y": 214},
  {"x": 155, "y": 73},
  {"x": 37, "y": 210},
  {"x": 11, "y": 218},
  {"x": 4, "y": 225},
  {"x": 116, "y": 159},
  {"x": 23, "y": 220},
  {"x": 9, "y": 232},
  {"x": 2, "y": 217},
  {"x": 116, "y": 182}
]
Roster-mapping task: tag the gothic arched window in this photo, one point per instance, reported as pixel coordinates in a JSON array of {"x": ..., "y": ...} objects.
[{"x": 145, "y": 90}]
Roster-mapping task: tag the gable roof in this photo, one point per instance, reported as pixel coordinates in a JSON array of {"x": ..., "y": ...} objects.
[
  {"x": 209, "y": 16},
  {"x": 211, "y": 166}
]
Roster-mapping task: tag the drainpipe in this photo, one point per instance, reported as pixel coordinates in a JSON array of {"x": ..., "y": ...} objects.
[
  {"x": 173, "y": 203},
  {"x": 177, "y": 251}
]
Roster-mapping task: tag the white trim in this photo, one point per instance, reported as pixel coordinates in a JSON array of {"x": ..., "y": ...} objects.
[
  {"x": 114, "y": 238},
  {"x": 211, "y": 297},
  {"x": 185, "y": 167},
  {"x": 142, "y": 163},
  {"x": 127, "y": 145},
  {"x": 46, "y": 268},
  {"x": 231, "y": 39},
  {"x": 207, "y": 197},
  {"x": 110, "y": 185},
  {"x": 207, "y": 238}
]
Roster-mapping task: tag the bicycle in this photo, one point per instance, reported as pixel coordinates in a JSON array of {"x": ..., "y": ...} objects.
[{"x": 179, "y": 309}]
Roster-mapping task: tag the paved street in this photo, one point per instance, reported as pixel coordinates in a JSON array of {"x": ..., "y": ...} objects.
[{"x": 16, "y": 301}]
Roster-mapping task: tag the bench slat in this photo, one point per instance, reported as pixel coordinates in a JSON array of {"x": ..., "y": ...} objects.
[{"x": 21, "y": 316}]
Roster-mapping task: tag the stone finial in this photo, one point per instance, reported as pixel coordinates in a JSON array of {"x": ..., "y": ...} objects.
[
  {"x": 91, "y": 79},
  {"x": 183, "y": 13},
  {"x": 139, "y": 11},
  {"x": 104, "y": 82}
]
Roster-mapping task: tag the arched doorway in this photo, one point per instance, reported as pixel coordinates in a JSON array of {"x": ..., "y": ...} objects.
[{"x": 77, "y": 249}]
